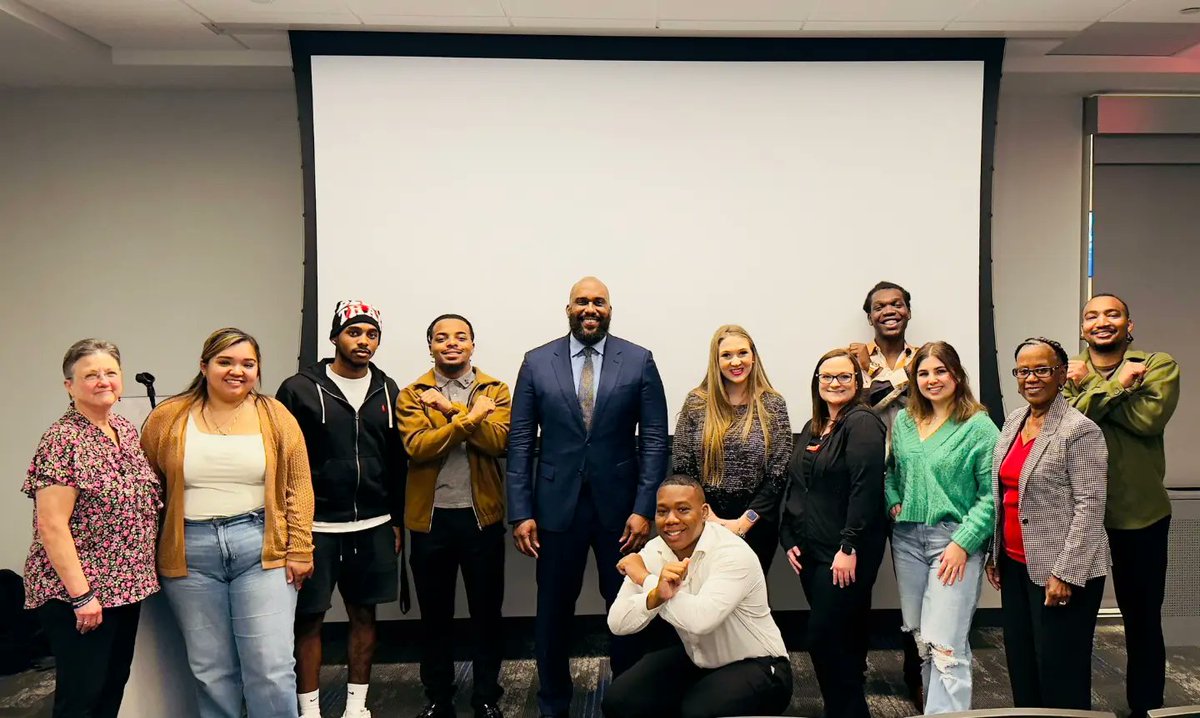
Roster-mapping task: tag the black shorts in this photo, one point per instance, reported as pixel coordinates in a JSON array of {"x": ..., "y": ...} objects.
[{"x": 362, "y": 564}]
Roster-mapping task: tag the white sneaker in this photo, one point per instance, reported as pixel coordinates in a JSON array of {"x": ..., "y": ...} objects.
[{"x": 364, "y": 713}]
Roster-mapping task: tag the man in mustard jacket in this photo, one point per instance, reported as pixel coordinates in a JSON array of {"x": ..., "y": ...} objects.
[
  {"x": 455, "y": 422},
  {"x": 1131, "y": 394}
]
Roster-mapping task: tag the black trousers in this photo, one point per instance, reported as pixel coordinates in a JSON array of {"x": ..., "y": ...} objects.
[
  {"x": 763, "y": 537},
  {"x": 666, "y": 684},
  {"x": 561, "y": 561},
  {"x": 764, "y": 540},
  {"x": 1048, "y": 648},
  {"x": 1139, "y": 574},
  {"x": 455, "y": 541},
  {"x": 839, "y": 633},
  {"x": 90, "y": 668}
]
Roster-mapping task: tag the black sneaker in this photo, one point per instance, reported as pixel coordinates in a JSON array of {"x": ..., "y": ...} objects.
[{"x": 438, "y": 710}]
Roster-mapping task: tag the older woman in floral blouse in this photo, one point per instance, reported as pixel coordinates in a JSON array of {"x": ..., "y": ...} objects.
[{"x": 96, "y": 504}]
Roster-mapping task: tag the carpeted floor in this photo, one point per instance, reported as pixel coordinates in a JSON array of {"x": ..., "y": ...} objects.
[{"x": 396, "y": 688}]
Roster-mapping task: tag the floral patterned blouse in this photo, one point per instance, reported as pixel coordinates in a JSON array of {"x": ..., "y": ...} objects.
[{"x": 115, "y": 520}]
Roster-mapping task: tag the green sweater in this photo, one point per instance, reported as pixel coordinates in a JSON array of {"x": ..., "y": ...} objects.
[
  {"x": 947, "y": 476},
  {"x": 1133, "y": 421}
]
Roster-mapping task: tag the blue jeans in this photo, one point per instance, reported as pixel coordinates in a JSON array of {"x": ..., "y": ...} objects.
[
  {"x": 237, "y": 620},
  {"x": 938, "y": 616}
]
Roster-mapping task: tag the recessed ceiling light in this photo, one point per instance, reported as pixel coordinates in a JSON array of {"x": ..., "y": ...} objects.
[{"x": 1184, "y": 11}]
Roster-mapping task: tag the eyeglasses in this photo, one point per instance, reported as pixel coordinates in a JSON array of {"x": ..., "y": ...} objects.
[
  {"x": 1041, "y": 372},
  {"x": 839, "y": 378}
]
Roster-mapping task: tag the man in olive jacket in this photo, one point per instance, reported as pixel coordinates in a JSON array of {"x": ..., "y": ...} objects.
[
  {"x": 1131, "y": 394},
  {"x": 455, "y": 421}
]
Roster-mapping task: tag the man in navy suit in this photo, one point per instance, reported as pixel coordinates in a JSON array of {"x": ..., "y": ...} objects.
[{"x": 599, "y": 403}]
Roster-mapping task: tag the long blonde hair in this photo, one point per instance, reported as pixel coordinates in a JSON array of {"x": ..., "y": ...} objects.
[{"x": 719, "y": 412}]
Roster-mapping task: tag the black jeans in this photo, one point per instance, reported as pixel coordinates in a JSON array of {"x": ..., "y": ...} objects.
[
  {"x": 666, "y": 684},
  {"x": 455, "y": 541},
  {"x": 1048, "y": 648},
  {"x": 1139, "y": 574},
  {"x": 90, "y": 669},
  {"x": 839, "y": 633}
]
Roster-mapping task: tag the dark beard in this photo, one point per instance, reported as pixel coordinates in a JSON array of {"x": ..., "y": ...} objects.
[{"x": 577, "y": 330}]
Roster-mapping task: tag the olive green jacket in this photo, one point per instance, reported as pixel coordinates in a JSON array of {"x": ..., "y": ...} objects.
[{"x": 1133, "y": 421}]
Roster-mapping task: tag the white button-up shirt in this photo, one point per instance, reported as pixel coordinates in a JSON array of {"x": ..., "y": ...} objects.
[{"x": 720, "y": 611}]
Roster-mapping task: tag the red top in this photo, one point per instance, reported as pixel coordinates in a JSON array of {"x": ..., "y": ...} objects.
[{"x": 1010, "y": 481}]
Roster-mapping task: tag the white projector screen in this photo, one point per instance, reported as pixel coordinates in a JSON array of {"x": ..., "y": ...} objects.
[{"x": 766, "y": 194}]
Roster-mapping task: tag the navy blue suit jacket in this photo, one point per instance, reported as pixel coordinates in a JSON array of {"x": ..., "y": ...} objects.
[{"x": 623, "y": 457}]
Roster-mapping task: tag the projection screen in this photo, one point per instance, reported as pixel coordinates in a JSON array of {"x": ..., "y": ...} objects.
[{"x": 770, "y": 194}]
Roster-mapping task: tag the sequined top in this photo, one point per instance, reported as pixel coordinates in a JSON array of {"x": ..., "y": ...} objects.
[
  {"x": 115, "y": 519},
  {"x": 751, "y": 476}
]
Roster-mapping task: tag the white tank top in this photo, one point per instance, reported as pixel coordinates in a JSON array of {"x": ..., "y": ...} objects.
[{"x": 222, "y": 475}]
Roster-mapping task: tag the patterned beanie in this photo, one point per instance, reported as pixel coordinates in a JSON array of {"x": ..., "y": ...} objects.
[{"x": 354, "y": 311}]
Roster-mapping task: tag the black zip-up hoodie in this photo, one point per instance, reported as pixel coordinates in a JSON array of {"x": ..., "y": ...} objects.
[{"x": 357, "y": 458}]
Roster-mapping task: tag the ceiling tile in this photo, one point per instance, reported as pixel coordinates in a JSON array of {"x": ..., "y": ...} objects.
[
  {"x": 1010, "y": 26},
  {"x": 1039, "y": 10},
  {"x": 322, "y": 12},
  {"x": 437, "y": 8},
  {"x": 269, "y": 40},
  {"x": 730, "y": 25},
  {"x": 757, "y": 10},
  {"x": 583, "y": 23},
  {"x": 401, "y": 22},
  {"x": 158, "y": 38},
  {"x": 889, "y": 11},
  {"x": 1154, "y": 11},
  {"x": 120, "y": 14},
  {"x": 861, "y": 27},
  {"x": 585, "y": 9},
  {"x": 1136, "y": 39}
]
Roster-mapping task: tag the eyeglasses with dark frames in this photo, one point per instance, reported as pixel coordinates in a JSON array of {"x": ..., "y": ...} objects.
[{"x": 1041, "y": 372}]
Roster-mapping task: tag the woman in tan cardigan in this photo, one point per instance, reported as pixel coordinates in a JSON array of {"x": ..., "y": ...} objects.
[{"x": 236, "y": 539}]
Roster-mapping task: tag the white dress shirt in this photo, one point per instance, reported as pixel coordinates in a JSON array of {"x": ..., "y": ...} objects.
[{"x": 720, "y": 611}]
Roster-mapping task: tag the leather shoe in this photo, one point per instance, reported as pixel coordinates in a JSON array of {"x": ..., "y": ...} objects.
[
  {"x": 488, "y": 710},
  {"x": 438, "y": 710}
]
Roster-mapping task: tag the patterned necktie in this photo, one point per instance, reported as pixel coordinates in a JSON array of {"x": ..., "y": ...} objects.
[{"x": 587, "y": 389}]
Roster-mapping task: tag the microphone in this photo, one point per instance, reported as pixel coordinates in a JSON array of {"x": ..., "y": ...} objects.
[{"x": 146, "y": 379}]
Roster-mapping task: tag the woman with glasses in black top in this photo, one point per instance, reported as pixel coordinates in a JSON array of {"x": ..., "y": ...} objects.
[{"x": 833, "y": 528}]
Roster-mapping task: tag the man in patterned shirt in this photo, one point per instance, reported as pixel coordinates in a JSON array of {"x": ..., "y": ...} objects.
[{"x": 884, "y": 362}]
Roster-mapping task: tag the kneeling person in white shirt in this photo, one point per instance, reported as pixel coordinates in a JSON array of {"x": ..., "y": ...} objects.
[{"x": 707, "y": 583}]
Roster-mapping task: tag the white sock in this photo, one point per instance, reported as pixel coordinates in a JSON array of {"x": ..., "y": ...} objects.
[
  {"x": 356, "y": 697},
  {"x": 310, "y": 704}
]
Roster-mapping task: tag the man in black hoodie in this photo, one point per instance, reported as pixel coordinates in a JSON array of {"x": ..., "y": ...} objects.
[{"x": 344, "y": 407}]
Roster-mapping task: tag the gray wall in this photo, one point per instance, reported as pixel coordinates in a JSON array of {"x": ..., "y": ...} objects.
[
  {"x": 1147, "y": 237},
  {"x": 147, "y": 218}
]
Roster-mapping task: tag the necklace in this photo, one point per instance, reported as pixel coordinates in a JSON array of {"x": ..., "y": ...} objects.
[{"x": 223, "y": 429}]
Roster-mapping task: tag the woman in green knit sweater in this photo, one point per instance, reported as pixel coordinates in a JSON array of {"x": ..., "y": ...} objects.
[{"x": 939, "y": 493}]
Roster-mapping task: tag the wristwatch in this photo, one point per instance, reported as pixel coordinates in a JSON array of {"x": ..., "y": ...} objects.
[
  {"x": 848, "y": 549},
  {"x": 751, "y": 515}
]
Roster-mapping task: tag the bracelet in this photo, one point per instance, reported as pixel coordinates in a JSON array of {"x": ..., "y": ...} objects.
[{"x": 78, "y": 602}]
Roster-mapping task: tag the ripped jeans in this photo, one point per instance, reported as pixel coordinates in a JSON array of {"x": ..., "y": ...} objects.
[{"x": 939, "y": 616}]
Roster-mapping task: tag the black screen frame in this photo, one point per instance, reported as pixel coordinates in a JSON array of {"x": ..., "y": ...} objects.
[{"x": 990, "y": 51}]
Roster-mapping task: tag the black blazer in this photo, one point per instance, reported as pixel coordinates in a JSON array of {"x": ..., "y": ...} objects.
[
  {"x": 841, "y": 501},
  {"x": 623, "y": 457}
]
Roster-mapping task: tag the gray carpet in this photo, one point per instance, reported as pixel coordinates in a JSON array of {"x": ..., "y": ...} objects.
[{"x": 396, "y": 688}]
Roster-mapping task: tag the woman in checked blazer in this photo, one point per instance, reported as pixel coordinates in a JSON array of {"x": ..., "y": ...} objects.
[{"x": 1050, "y": 552}]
